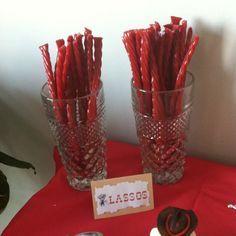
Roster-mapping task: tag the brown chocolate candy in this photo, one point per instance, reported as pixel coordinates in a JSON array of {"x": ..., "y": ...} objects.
[{"x": 174, "y": 221}]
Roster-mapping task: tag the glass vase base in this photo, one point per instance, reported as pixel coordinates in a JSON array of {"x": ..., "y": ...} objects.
[
  {"x": 84, "y": 184},
  {"x": 166, "y": 177}
]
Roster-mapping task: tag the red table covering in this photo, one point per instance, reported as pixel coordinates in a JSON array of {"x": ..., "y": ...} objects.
[{"x": 58, "y": 210}]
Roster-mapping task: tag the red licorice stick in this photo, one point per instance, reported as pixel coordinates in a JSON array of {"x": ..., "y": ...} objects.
[
  {"x": 48, "y": 69},
  {"x": 129, "y": 42},
  {"x": 92, "y": 109},
  {"x": 71, "y": 85},
  {"x": 82, "y": 52},
  {"x": 167, "y": 60},
  {"x": 183, "y": 28},
  {"x": 65, "y": 78},
  {"x": 188, "y": 40},
  {"x": 160, "y": 47},
  {"x": 72, "y": 70},
  {"x": 97, "y": 58},
  {"x": 176, "y": 57},
  {"x": 59, "y": 109},
  {"x": 91, "y": 112},
  {"x": 158, "y": 111},
  {"x": 65, "y": 71},
  {"x": 154, "y": 71},
  {"x": 59, "y": 70},
  {"x": 156, "y": 26},
  {"x": 137, "y": 44},
  {"x": 172, "y": 61},
  {"x": 81, "y": 83},
  {"x": 68, "y": 85},
  {"x": 55, "y": 90},
  {"x": 175, "y": 20},
  {"x": 157, "y": 50},
  {"x": 145, "y": 70},
  {"x": 169, "y": 26},
  {"x": 176, "y": 64},
  {"x": 79, "y": 67},
  {"x": 60, "y": 42},
  {"x": 182, "y": 72},
  {"x": 71, "y": 115},
  {"x": 79, "y": 39},
  {"x": 155, "y": 113},
  {"x": 144, "y": 60},
  {"x": 60, "y": 105},
  {"x": 89, "y": 55},
  {"x": 132, "y": 43}
]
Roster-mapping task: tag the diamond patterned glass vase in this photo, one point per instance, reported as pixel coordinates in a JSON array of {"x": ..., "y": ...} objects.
[
  {"x": 78, "y": 128},
  {"x": 162, "y": 120}
]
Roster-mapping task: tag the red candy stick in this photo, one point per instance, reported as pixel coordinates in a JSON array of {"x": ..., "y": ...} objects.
[
  {"x": 167, "y": 58},
  {"x": 158, "y": 111},
  {"x": 71, "y": 115},
  {"x": 71, "y": 85},
  {"x": 72, "y": 70},
  {"x": 79, "y": 69},
  {"x": 176, "y": 56},
  {"x": 175, "y": 20},
  {"x": 83, "y": 55},
  {"x": 132, "y": 42},
  {"x": 89, "y": 55},
  {"x": 137, "y": 44},
  {"x": 129, "y": 42},
  {"x": 145, "y": 70},
  {"x": 48, "y": 69},
  {"x": 65, "y": 71},
  {"x": 160, "y": 65},
  {"x": 60, "y": 85},
  {"x": 92, "y": 109},
  {"x": 182, "y": 72},
  {"x": 156, "y": 26},
  {"x": 68, "y": 85},
  {"x": 97, "y": 59},
  {"x": 81, "y": 74},
  {"x": 59, "y": 71},
  {"x": 183, "y": 28},
  {"x": 188, "y": 40},
  {"x": 144, "y": 59},
  {"x": 60, "y": 42}
]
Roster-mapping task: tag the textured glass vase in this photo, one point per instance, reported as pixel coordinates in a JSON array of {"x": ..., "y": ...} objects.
[
  {"x": 78, "y": 128},
  {"x": 162, "y": 136}
]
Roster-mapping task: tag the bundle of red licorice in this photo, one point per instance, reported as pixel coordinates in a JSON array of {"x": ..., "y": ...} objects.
[
  {"x": 77, "y": 73},
  {"x": 159, "y": 58}
]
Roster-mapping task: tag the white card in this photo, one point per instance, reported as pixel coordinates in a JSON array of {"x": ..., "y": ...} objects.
[{"x": 124, "y": 195}]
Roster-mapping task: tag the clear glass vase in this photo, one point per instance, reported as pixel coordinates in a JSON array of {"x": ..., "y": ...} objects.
[
  {"x": 78, "y": 128},
  {"x": 162, "y": 120}
]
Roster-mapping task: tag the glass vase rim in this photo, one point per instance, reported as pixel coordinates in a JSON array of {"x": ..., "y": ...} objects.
[
  {"x": 188, "y": 75},
  {"x": 42, "y": 93}
]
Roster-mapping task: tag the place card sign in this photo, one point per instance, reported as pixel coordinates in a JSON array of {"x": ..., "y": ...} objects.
[{"x": 121, "y": 196}]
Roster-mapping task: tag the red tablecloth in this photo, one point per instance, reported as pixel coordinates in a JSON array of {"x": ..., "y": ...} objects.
[{"x": 58, "y": 210}]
